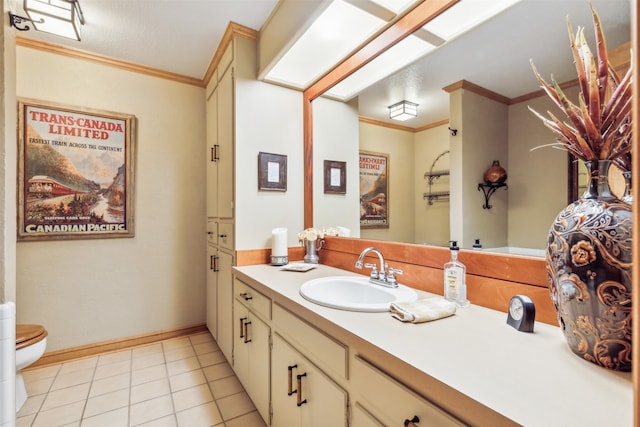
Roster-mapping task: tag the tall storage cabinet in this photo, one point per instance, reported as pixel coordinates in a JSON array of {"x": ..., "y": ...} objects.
[
  {"x": 238, "y": 58},
  {"x": 220, "y": 160}
]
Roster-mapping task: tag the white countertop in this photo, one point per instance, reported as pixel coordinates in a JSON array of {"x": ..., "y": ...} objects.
[{"x": 531, "y": 378}]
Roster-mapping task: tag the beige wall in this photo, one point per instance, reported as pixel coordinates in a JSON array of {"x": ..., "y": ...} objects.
[
  {"x": 89, "y": 291},
  {"x": 481, "y": 139},
  {"x": 431, "y": 221},
  {"x": 335, "y": 127},
  {"x": 268, "y": 119}
]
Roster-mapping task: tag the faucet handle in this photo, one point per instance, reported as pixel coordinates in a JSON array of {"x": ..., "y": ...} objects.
[
  {"x": 374, "y": 270},
  {"x": 391, "y": 278}
]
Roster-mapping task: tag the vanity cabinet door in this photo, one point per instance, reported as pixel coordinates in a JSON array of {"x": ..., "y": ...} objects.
[
  {"x": 388, "y": 402},
  {"x": 212, "y": 290},
  {"x": 225, "y": 304},
  {"x": 251, "y": 356},
  {"x": 301, "y": 393}
]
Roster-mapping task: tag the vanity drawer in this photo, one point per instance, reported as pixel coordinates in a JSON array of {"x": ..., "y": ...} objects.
[
  {"x": 324, "y": 351},
  {"x": 390, "y": 402},
  {"x": 252, "y": 299},
  {"x": 225, "y": 235}
]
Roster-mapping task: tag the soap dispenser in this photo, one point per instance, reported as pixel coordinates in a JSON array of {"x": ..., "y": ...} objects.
[
  {"x": 477, "y": 245},
  {"x": 455, "y": 286}
]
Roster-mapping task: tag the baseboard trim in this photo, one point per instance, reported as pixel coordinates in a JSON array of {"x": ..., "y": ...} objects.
[{"x": 61, "y": 356}]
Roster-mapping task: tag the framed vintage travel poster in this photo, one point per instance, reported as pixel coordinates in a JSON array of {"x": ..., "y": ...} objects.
[
  {"x": 374, "y": 190},
  {"x": 75, "y": 172}
]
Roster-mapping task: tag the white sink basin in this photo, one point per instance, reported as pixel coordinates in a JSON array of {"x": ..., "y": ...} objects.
[{"x": 354, "y": 293}]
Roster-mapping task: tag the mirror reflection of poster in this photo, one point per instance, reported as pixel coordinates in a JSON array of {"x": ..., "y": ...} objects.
[
  {"x": 374, "y": 190},
  {"x": 75, "y": 172}
]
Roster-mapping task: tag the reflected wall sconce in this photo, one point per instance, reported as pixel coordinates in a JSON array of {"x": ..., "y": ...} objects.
[
  {"x": 403, "y": 110},
  {"x": 60, "y": 17}
]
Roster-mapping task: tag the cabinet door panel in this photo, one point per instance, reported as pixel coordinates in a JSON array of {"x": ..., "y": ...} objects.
[
  {"x": 211, "y": 155},
  {"x": 322, "y": 401},
  {"x": 259, "y": 365},
  {"x": 212, "y": 291},
  {"x": 240, "y": 348},
  {"x": 363, "y": 418},
  {"x": 225, "y": 305},
  {"x": 390, "y": 401},
  {"x": 226, "y": 107}
]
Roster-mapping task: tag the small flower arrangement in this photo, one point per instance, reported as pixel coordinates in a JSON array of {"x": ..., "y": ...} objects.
[{"x": 313, "y": 233}]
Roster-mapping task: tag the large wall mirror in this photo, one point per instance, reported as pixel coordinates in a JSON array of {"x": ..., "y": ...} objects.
[{"x": 474, "y": 91}]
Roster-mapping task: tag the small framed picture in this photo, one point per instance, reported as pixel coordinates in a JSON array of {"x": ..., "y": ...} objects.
[
  {"x": 272, "y": 172},
  {"x": 335, "y": 177}
]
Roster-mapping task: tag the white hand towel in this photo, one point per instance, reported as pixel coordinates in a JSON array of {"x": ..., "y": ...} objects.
[{"x": 424, "y": 310}]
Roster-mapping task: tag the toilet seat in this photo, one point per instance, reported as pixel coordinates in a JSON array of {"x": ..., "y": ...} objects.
[{"x": 27, "y": 335}]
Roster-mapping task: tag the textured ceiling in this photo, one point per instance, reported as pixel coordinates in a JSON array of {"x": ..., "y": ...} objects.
[{"x": 179, "y": 36}]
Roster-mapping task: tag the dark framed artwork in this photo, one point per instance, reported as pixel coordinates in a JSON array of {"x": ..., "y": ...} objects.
[
  {"x": 75, "y": 172},
  {"x": 272, "y": 172},
  {"x": 374, "y": 190},
  {"x": 335, "y": 177}
]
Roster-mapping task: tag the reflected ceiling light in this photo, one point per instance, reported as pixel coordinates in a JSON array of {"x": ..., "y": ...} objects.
[
  {"x": 60, "y": 17},
  {"x": 404, "y": 53},
  {"x": 403, "y": 110}
]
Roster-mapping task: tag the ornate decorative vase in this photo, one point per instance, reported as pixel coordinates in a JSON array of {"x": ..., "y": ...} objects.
[
  {"x": 589, "y": 270},
  {"x": 495, "y": 174}
]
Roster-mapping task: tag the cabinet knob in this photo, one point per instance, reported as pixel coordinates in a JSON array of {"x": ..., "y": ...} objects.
[
  {"x": 246, "y": 296},
  {"x": 209, "y": 232},
  {"x": 222, "y": 236},
  {"x": 412, "y": 422}
]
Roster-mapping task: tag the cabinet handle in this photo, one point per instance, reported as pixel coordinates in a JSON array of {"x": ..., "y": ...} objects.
[
  {"x": 214, "y": 153},
  {"x": 213, "y": 263},
  {"x": 209, "y": 232},
  {"x": 242, "y": 319},
  {"x": 246, "y": 332},
  {"x": 222, "y": 236},
  {"x": 412, "y": 422},
  {"x": 290, "y": 390},
  {"x": 300, "y": 402},
  {"x": 246, "y": 296}
]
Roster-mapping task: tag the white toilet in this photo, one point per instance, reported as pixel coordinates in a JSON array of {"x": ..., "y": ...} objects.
[{"x": 31, "y": 341}]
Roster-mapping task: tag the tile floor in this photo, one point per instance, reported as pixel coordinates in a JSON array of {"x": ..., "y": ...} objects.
[{"x": 181, "y": 382}]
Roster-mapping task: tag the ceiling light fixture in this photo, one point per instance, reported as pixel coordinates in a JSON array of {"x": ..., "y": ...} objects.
[
  {"x": 60, "y": 17},
  {"x": 403, "y": 110}
]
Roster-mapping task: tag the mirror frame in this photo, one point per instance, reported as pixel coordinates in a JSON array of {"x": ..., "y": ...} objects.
[{"x": 415, "y": 18}]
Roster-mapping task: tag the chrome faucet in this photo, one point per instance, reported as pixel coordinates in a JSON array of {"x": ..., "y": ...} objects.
[{"x": 379, "y": 276}]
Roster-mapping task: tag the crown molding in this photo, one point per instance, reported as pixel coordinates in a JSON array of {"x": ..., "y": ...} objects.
[{"x": 105, "y": 60}]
